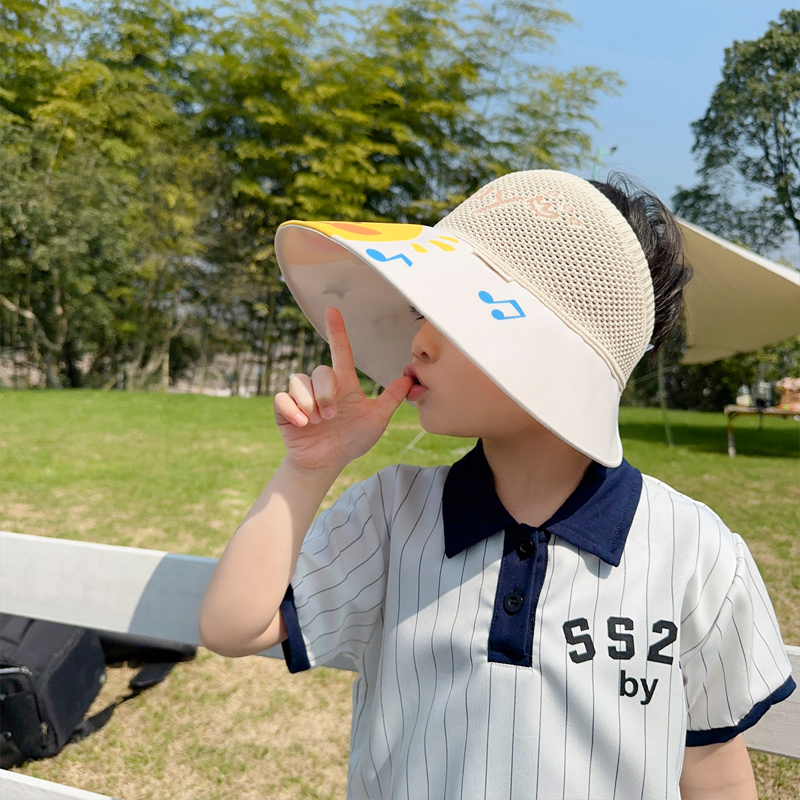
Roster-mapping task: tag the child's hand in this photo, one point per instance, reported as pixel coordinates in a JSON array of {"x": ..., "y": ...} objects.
[{"x": 326, "y": 420}]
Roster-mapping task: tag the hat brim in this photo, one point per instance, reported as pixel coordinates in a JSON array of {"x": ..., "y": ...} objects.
[{"x": 372, "y": 272}]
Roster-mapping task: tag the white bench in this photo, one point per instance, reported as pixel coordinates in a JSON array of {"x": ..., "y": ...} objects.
[{"x": 151, "y": 593}]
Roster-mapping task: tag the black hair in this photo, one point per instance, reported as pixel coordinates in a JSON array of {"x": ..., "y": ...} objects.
[{"x": 661, "y": 240}]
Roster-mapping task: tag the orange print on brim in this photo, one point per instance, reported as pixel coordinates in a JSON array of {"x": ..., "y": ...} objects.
[{"x": 364, "y": 231}]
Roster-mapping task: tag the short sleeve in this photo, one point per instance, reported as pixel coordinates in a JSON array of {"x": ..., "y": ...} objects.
[
  {"x": 738, "y": 667},
  {"x": 332, "y": 608}
]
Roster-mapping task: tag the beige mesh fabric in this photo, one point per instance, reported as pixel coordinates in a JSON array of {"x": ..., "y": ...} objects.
[{"x": 560, "y": 238}]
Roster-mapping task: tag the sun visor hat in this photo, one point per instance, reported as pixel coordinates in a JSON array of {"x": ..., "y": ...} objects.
[{"x": 536, "y": 278}]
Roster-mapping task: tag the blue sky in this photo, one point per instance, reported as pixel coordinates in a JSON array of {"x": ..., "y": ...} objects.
[{"x": 670, "y": 55}]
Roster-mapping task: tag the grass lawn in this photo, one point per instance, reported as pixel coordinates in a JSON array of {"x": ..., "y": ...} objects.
[{"x": 178, "y": 472}]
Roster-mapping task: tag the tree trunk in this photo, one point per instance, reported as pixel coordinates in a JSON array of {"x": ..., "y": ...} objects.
[
  {"x": 203, "y": 361},
  {"x": 300, "y": 348},
  {"x": 237, "y": 374},
  {"x": 14, "y": 332},
  {"x": 38, "y": 335},
  {"x": 51, "y": 371},
  {"x": 154, "y": 363},
  {"x": 269, "y": 336},
  {"x": 165, "y": 373},
  {"x": 133, "y": 379},
  {"x": 785, "y": 199},
  {"x": 74, "y": 375},
  {"x": 248, "y": 372},
  {"x": 55, "y": 348},
  {"x": 38, "y": 361}
]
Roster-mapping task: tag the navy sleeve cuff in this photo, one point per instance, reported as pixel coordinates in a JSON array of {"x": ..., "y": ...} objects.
[
  {"x": 294, "y": 648},
  {"x": 719, "y": 735}
]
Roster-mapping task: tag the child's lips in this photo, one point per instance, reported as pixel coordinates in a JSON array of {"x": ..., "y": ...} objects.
[{"x": 418, "y": 389}]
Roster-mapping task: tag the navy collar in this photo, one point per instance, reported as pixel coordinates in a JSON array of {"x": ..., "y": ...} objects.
[{"x": 596, "y": 517}]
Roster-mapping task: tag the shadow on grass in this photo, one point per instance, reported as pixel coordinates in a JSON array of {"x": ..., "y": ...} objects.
[{"x": 769, "y": 441}]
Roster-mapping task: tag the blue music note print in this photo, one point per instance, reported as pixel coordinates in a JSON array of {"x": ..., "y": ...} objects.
[
  {"x": 378, "y": 256},
  {"x": 496, "y": 312}
]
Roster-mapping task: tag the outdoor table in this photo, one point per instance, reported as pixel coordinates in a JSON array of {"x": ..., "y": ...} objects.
[{"x": 735, "y": 411}]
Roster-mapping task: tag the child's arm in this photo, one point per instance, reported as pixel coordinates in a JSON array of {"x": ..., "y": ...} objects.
[
  {"x": 717, "y": 771},
  {"x": 239, "y": 611},
  {"x": 326, "y": 421}
]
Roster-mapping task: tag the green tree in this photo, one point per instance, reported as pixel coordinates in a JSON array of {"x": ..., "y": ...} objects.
[
  {"x": 109, "y": 142},
  {"x": 62, "y": 249},
  {"x": 752, "y": 124},
  {"x": 29, "y": 32},
  {"x": 761, "y": 227}
]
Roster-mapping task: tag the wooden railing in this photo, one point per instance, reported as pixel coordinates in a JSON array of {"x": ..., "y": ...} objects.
[{"x": 151, "y": 593}]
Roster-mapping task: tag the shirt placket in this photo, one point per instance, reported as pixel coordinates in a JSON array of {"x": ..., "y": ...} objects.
[{"x": 519, "y": 585}]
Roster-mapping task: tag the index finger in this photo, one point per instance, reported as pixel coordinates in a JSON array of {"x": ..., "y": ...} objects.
[{"x": 341, "y": 352}]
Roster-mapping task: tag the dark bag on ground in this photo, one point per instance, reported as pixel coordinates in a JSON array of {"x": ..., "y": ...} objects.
[{"x": 50, "y": 674}]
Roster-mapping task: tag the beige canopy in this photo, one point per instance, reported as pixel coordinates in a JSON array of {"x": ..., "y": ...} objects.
[{"x": 737, "y": 301}]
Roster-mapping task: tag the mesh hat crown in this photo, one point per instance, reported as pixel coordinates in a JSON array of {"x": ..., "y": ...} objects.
[{"x": 561, "y": 239}]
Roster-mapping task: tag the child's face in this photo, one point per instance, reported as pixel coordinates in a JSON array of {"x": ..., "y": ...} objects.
[{"x": 459, "y": 399}]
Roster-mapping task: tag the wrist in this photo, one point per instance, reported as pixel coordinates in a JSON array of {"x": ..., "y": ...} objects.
[{"x": 312, "y": 476}]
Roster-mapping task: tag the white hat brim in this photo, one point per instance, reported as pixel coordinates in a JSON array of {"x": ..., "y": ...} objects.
[{"x": 372, "y": 272}]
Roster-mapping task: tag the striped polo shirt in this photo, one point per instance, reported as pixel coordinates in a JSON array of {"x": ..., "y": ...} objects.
[{"x": 499, "y": 660}]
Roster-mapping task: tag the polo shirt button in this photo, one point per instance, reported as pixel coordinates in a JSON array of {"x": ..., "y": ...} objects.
[
  {"x": 525, "y": 547},
  {"x": 513, "y": 602}
]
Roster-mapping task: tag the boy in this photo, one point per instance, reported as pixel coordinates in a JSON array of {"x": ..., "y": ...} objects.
[{"x": 540, "y": 619}]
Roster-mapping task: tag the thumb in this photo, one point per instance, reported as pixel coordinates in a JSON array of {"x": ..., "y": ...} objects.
[{"x": 393, "y": 395}]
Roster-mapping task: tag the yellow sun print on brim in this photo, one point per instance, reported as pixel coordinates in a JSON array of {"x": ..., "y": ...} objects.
[{"x": 364, "y": 231}]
